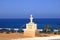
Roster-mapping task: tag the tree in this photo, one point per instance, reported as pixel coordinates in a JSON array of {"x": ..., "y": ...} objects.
[{"x": 46, "y": 28}]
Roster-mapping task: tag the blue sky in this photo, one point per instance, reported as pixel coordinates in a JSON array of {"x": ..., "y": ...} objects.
[{"x": 23, "y": 8}]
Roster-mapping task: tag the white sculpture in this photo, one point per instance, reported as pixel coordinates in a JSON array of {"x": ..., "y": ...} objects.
[{"x": 31, "y": 28}]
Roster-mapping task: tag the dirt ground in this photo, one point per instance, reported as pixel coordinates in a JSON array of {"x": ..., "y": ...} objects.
[{"x": 5, "y": 36}]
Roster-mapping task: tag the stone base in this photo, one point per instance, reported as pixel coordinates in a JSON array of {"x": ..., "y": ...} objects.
[{"x": 29, "y": 33}]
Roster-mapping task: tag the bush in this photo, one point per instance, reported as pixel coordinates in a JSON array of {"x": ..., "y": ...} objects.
[
  {"x": 1, "y": 31},
  {"x": 8, "y": 32},
  {"x": 55, "y": 32}
]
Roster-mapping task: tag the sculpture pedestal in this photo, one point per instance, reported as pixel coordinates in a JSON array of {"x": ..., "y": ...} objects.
[{"x": 29, "y": 33}]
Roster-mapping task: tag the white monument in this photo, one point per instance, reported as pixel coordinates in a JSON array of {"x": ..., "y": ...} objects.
[{"x": 31, "y": 28}]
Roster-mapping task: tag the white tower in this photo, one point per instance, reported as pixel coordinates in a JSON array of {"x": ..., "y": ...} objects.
[{"x": 31, "y": 28}]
